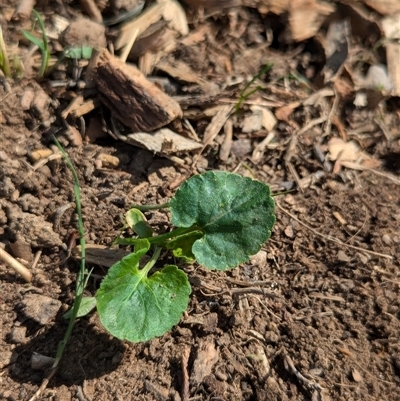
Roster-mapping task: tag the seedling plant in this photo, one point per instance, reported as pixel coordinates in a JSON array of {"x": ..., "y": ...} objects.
[
  {"x": 220, "y": 220},
  {"x": 42, "y": 44}
]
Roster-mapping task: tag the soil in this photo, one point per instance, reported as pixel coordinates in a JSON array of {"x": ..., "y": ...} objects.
[{"x": 315, "y": 315}]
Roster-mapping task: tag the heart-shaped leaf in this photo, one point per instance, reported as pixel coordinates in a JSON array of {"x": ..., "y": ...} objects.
[
  {"x": 135, "y": 307},
  {"x": 235, "y": 214}
]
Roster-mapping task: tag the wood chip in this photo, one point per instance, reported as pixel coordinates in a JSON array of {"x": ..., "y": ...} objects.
[
  {"x": 207, "y": 357},
  {"x": 134, "y": 100},
  {"x": 148, "y": 17},
  {"x": 306, "y": 17},
  {"x": 393, "y": 57},
  {"x": 384, "y": 7},
  {"x": 100, "y": 255},
  {"x": 336, "y": 49},
  {"x": 226, "y": 146},
  {"x": 216, "y": 124},
  {"x": 163, "y": 141}
]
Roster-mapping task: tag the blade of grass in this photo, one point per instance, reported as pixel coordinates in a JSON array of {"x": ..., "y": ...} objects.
[
  {"x": 243, "y": 95},
  {"x": 4, "y": 64},
  {"x": 43, "y": 44},
  {"x": 46, "y": 52},
  {"x": 83, "y": 275},
  {"x": 82, "y": 278}
]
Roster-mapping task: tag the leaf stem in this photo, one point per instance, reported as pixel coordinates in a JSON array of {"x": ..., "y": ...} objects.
[
  {"x": 151, "y": 262},
  {"x": 177, "y": 232},
  {"x": 160, "y": 240},
  {"x": 145, "y": 208}
]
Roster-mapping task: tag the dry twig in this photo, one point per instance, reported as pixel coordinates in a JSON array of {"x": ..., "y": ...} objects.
[
  {"x": 185, "y": 374},
  {"x": 14, "y": 264}
]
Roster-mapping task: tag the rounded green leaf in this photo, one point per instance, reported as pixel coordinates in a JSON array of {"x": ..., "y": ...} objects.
[
  {"x": 137, "y": 308},
  {"x": 236, "y": 215}
]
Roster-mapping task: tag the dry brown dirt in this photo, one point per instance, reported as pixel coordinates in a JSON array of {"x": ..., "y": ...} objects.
[{"x": 314, "y": 316}]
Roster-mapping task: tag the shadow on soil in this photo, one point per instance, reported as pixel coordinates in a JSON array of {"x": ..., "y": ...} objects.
[{"x": 95, "y": 354}]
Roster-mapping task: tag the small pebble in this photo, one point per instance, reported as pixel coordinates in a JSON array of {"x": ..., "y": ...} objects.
[
  {"x": 271, "y": 337},
  {"x": 386, "y": 239},
  {"x": 316, "y": 372},
  {"x": 221, "y": 376},
  {"x": 18, "y": 335},
  {"x": 289, "y": 231},
  {"x": 40, "y": 308},
  {"x": 108, "y": 161},
  {"x": 343, "y": 257}
]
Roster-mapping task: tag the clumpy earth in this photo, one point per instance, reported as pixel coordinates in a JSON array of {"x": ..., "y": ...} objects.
[{"x": 315, "y": 315}]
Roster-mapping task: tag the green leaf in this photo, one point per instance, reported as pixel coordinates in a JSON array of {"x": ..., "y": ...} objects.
[
  {"x": 235, "y": 214},
  {"x": 86, "y": 306},
  {"x": 138, "y": 223},
  {"x": 135, "y": 307},
  {"x": 182, "y": 246},
  {"x": 39, "y": 43},
  {"x": 79, "y": 53}
]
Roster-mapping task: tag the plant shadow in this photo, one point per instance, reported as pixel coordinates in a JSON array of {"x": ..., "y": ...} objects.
[{"x": 90, "y": 353}]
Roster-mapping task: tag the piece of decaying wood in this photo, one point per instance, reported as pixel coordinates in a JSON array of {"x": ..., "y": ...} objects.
[
  {"x": 175, "y": 15},
  {"x": 226, "y": 146},
  {"x": 212, "y": 130},
  {"x": 336, "y": 48},
  {"x": 183, "y": 73},
  {"x": 391, "y": 27},
  {"x": 277, "y": 7},
  {"x": 207, "y": 357},
  {"x": 24, "y": 9},
  {"x": 259, "y": 149},
  {"x": 147, "y": 18},
  {"x": 163, "y": 141},
  {"x": 132, "y": 98},
  {"x": 75, "y": 103},
  {"x": 86, "y": 107},
  {"x": 218, "y": 4},
  {"x": 151, "y": 40},
  {"x": 100, "y": 254},
  {"x": 185, "y": 374},
  {"x": 384, "y": 7},
  {"x": 306, "y": 17}
]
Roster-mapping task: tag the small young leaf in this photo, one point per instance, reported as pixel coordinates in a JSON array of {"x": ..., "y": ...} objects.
[
  {"x": 137, "y": 221},
  {"x": 182, "y": 246},
  {"x": 79, "y": 53},
  {"x": 86, "y": 306},
  {"x": 235, "y": 214},
  {"x": 137, "y": 308}
]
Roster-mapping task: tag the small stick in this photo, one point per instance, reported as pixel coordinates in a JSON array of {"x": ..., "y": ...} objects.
[
  {"x": 17, "y": 266},
  {"x": 38, "y": 254},
  {"x": 43, "y": 385},
  {"x": 331, "y": 114},
  {"x": 226, "y": 146},
  {"x": 253, "y": 290},
  {"x": 128, "y": 47},
  {"x": 333, "y": 239},
  {"x": 308, "y": 383},
  {"x": 185, "y": 375}
]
